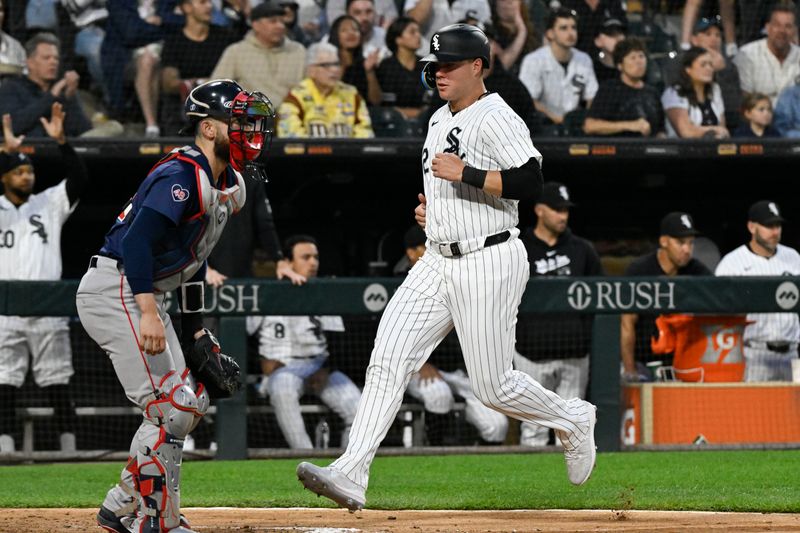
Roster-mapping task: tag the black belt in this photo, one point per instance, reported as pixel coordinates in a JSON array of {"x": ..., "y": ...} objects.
[
  {"x": 491, "y": 240},
  {"x": 772, "y": 346},
  {"x": 93, "y": 260}
]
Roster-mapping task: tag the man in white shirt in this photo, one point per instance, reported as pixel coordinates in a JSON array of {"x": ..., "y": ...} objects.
[
  {"x": 559, "y": 77},
  {"x": 770, "y": 341},
  {"x": 771, "y": 64}
]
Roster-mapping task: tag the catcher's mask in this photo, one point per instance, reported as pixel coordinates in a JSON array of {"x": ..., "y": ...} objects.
[
  {"x": 250, "y": 118},
  {"x": 250, "y": 129}
]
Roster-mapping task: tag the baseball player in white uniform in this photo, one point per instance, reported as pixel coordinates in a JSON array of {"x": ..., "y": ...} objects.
[
  {"x": 770, "y": 342},
  {"x": 295, "y": 357},
  {"x": 30, "y": 249},
  {"x": 559, "y": 76},
  {"x": 478, "y": 161}
]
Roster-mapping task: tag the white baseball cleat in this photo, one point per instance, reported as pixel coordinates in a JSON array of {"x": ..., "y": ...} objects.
[
  {"x": 331, "y": 483},
  {"x": 581, "y": 454}
]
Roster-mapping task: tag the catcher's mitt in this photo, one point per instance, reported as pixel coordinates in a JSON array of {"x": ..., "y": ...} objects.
[{"x": 215, "y": 370}]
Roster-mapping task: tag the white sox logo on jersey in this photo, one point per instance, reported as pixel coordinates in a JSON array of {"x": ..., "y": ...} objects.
[
  {"x": 35, "y": 221},
  {"x": 454, "y": 144}
]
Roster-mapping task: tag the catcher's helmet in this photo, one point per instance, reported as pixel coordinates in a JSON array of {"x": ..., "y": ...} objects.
[
  {"x": 452, "y": 43},
  {"x": 250, "y": 118}
]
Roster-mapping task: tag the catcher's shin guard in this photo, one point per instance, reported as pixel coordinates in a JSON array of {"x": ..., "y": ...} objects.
[{"x": 171, "y": 416}]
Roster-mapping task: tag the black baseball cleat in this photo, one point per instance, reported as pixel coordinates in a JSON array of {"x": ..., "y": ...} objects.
[{"x": 110, "y": 522}]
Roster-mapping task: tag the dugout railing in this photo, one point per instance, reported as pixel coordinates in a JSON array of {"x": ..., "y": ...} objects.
[{"x": 602, "y": 299}]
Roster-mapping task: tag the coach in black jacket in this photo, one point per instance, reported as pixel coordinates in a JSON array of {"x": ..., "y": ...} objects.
[{"x": 554, "y": 348}]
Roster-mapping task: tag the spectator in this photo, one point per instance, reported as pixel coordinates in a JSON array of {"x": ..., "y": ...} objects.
[
  {"x": 770, "y": 339},
  {"x": 188, "y": 58},
  {"x": 672, "y": 258},
  {"x": 322, "y": 105},
  {"x": 400, "y": 73},
  {"x": 610, "y": 33},
  {"x": 12, "y": 54},
  {"x": 89, "y": 19},
  {"x": 433, "y": 15},
  {"x": 433, "y": 385},
  {"x": 385, "y": 11},
  {"x": 294, "y": 352},
  {"x": 265, "y": 60},
  {"x": 757, "y": 112},
  {"x": 294, "y": 30},
  {"x": 626, "y": 106},
  {"x": 554, "y": 349},
  {"x": 29, "y": 99},
  {"x": 771, "y": 64},
  {"x": 498, "y": 80},
  {"x": 591, "y": 14},
  {"x": 694, "y": 105},
  {"x": 30, "y": 225},
  {"x": 707, "y": 34},
  {"x": 359, "y": 71},
  {"x": 559, "y": 77},
  {"x": 727, "y": 22},
  {"x": 787, "y": 112},
  {"x": 133, "y": 30},
  {"x": 373, "y": 37},
  {"x": 514, "y": 33}
]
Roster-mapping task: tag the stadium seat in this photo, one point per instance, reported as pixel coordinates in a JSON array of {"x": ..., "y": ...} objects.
[{"x": 389, "y": 122}]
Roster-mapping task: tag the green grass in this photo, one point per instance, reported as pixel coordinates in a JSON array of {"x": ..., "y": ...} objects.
[{"x": 762, "y": 481}]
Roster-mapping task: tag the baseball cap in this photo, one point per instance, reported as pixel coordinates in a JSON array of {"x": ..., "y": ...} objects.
[
  {"x": 415, "y": 236},
  {"x": 555, "y": 195},
  {"x": 678, "y": 224},
  {"x": 704, "y": 23},
  {"x": 611, "y": 26},
  {"x": 266, "y": 9},
  {"x": 9, "y": 162},
  {"x": 766, "y": 213}
]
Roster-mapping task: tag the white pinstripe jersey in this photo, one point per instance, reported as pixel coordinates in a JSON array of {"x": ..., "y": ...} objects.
[
  {"x": 287, "y": 337},
  {"x": 785, "y": 262},
  {"x": 30, "y": 235},
  {"x": 487, "y": 135}
]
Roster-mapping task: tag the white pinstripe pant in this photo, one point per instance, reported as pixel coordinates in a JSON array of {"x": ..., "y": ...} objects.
[
  {"x": 567, "y": 377},
  {"x": 478, "y": 294},
  {"x": 765, "y": 365}
]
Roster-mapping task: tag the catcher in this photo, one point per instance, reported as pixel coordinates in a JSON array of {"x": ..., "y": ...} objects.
[{"x": 159, "y": 243}]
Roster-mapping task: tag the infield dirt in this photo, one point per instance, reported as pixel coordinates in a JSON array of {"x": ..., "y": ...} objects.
[{"x": 313, "y": 520}]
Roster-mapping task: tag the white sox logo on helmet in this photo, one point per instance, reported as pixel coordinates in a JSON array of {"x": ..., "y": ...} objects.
[{"x": 435, "y": 42}]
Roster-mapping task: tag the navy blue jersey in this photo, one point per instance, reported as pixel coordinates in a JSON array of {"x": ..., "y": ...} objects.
[{"x": 175, "y": 188}]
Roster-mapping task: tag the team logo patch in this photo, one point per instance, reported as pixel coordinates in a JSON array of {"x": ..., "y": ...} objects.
[
  {"x": 179, "y": 194},
  {"x": 436, "y": 42}
]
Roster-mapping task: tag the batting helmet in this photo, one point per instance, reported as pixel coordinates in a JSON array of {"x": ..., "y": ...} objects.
[
  {"x": 458, "y": 42},
  {"x": 250, "y": 118},
  {"x": 455, "y": 43}
]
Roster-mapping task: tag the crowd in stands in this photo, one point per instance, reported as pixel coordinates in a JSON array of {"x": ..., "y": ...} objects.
[{"x": 569, "y": 68}]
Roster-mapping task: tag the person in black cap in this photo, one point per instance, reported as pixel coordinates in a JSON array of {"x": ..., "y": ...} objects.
[
  {"x": 30, "y": 249},
  {"x": 610, "y": 33},
  {"x": 590, "y": 15},
  {"x": 554, "y": 348},
  {"x": 672, "y": 258},
  {"x": 770, "y": 340}
]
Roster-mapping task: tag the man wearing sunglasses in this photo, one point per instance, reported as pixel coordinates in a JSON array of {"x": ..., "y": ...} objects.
[{"x": 159, "y": 243}]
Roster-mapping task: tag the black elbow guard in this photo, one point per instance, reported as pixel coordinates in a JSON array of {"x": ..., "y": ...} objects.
[{"x": 523, "y": 183}]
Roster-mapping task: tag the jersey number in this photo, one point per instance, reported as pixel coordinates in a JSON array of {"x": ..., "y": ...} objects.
[
  {"x": 6, "y": 239},
  {"x": 280, "y": 331},
  {"x": 425, "y": 154}
]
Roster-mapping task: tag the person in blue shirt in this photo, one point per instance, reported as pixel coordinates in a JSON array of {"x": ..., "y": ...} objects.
[{"x": 159, "y": 243}]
